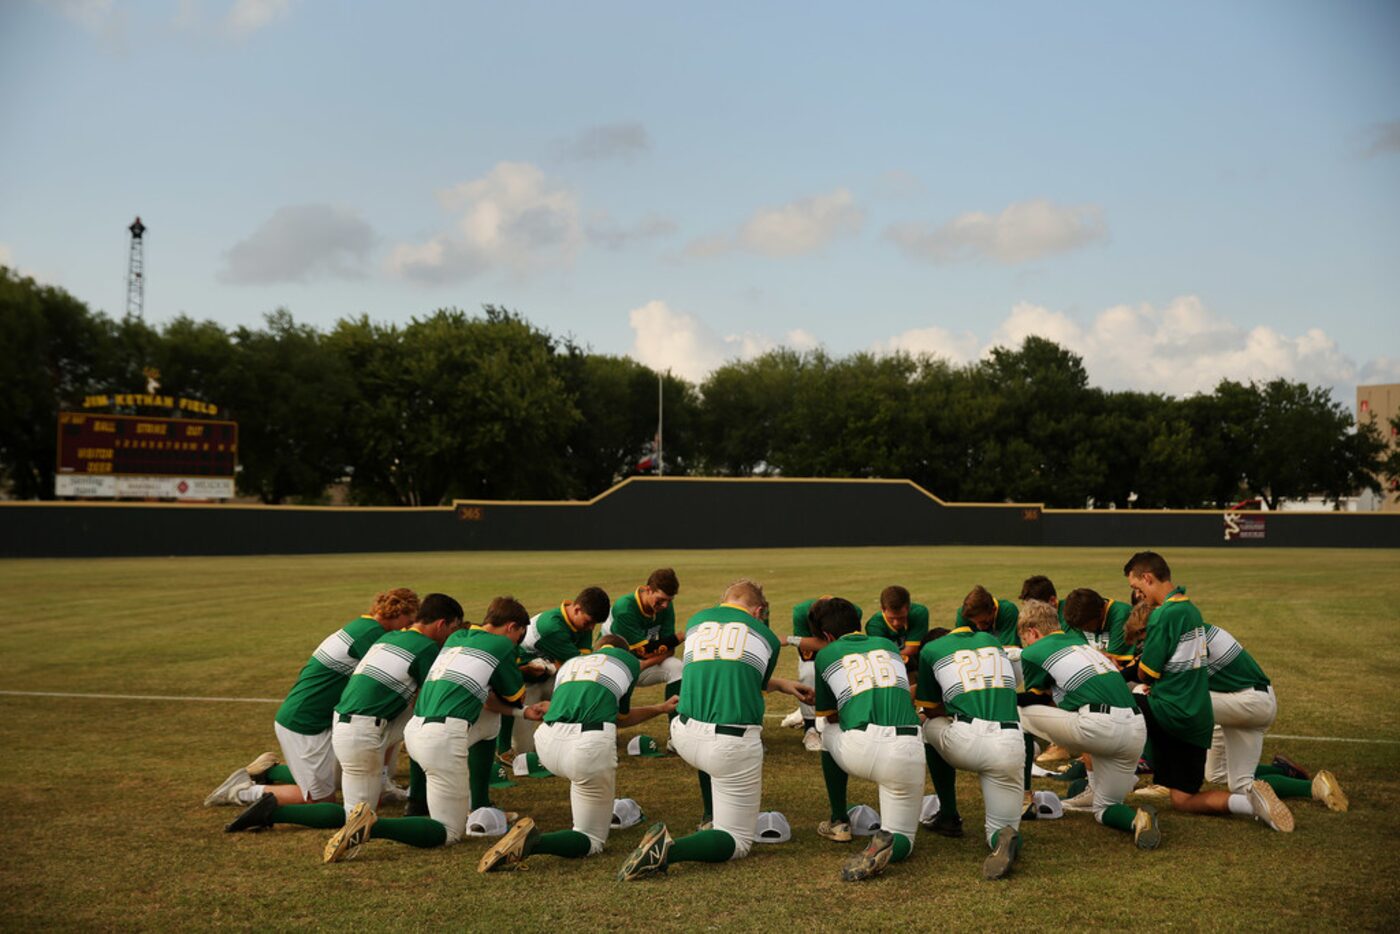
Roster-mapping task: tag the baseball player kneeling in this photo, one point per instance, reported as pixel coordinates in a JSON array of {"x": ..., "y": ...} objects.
[
  {"x": 967, "y": 693},
  {"x": 1086, "y": 707},
  {"x": 730, "y": 654},
  {"x": 578, "y": 740},
  {"x": 872, "y": 733}
]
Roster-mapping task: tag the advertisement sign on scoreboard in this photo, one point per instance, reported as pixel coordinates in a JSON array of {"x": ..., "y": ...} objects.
[{"x": 140, "y": 456}]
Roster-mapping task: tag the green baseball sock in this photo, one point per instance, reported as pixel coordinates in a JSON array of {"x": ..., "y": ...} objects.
[
  {"x": 415, "y": 831},
  {"x": 1119, "y": 817},
  {"x": 1030, "y": 760},
  {"x": 945, "y": 781},
  {"x": 903, "y": 846},
  {"x": 1286, "y": 787},
  {"x": 326, "y": 816},
  {"x": 705, "y": 846},
  {"x": 836, "y": 782},
  {"x": 503, "y": 738},
  {"x": 417, "y": 784},
  {"x": 1263, "y": 771},
  {"x": 673, "y": 689},
  {"x": 569, "y": 844},
  {"x": 278, "y": 775},
  {"x": 480, "y": 757},
  {"x": 707, "y": 798}
]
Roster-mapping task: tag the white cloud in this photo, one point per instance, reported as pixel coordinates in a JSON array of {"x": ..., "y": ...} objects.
[
  {"x": 793, "y": 229},
  {"x": 248, "y": 16},
  {"x": 512, "y": 218},
  {"x": 666, "y": 339},
  {"x": 1181, "y": 348},
  {"x": 606, "y": 141},
  {"x": 301, "y": 242},
  {"x": 1024, "y": 231}
]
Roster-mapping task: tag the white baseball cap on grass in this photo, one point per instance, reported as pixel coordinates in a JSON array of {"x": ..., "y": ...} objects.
[
  {"x": 626, "y": 813},
  {"x": 486, "y": 822},
  {"x": 864, "y": 820},
  {"x": 1047, "y": 805},
  {"x": 772, "y": 827}
]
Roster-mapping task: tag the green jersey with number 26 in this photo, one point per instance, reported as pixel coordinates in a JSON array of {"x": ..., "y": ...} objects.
[{"x": 864, "y": 680}]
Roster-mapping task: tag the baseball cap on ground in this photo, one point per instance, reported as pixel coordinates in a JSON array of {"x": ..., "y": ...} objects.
[
  {"x": 644, "y": 745},
  {"x": 626, "y": 813},
  {"x": 486, "y": 822},
  {"x": 772, "y": 827},
  {"x": 928, "y": 810},
  {"x": 500, "y": 778},
  {"x": 865, "y": 820},
  {"x": 1047, "y": 805},
  {"x": 528, "y": 765}
]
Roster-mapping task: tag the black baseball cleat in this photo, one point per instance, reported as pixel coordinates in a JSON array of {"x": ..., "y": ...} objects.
[
  {"x": 1291, "y": 768},
  {"x": 257, "y": 816},
  {"x": 944, "y": 825}
]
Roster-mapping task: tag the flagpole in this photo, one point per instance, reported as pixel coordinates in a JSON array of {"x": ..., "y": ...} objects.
[{"x": 660, "y": 421}]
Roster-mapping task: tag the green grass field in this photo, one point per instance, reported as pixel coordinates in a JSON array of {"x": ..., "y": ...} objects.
[{"x": 103, "y": 826}]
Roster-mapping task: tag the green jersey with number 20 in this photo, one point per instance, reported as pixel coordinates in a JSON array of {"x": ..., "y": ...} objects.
[{"x": 729, "y": 657}]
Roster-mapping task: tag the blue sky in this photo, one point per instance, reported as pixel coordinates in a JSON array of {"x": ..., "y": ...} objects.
[{"x": 1178, "y": 191}]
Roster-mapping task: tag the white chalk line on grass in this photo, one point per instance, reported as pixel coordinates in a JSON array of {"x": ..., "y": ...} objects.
[{"x": 771, "y": 716}]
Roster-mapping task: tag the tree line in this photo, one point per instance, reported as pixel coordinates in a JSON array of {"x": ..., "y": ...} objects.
[{"x": 489, "y": 406}]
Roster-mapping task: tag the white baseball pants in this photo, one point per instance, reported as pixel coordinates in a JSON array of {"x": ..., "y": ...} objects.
[
  {"x": 361, "y": 746},
  {"x": 522, "y": 740},
  {"x": 588, "y": 759},
  {"x": 441, "y": 750},
  {"x": 1241, "y": 720},
  {"x": 312, "y": 760},
  {"x": 735, "y": 766},
  {"x": 664, "y": 673},
  {"x": 1114, "y": 739},
  {"x": 997, "y": 755},
  {"x": 807, "y": 674},
  {"x": 894, "y": 762}
]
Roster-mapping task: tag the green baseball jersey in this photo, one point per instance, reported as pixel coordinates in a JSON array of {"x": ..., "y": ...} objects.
[
  {"x": 1231, "y": 667},
  {"x": 1109, "y": 639},
  {"x": 311, "y": 701},
  {"x": 863, "y": 680},
  {"x": 387, "y": 678},
  {"x": 629, "y": 621},
  {"x": 729, "y": 657},
  {"x": 472, "y": 663},
  {"x": 912, "y": 633},
  {"x": 969, "y": 673},
  {"x": 1174, "y": 653},
  {"x": 551, "y": 636},
  {"x": 594, "y": 688},
  {"x": 1073, "y": 672},
  {"x": 802, "y": 624},
  {"x": 1005, "y": 626}
]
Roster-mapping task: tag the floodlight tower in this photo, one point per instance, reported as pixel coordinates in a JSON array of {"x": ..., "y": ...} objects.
[{"x": 135, "y": 270}]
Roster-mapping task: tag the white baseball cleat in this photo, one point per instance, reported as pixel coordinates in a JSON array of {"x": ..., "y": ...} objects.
[
  {"x": 812, "y": 741},
  {"x": 261, "y": 764},
  {"x": 346, "y": 842},
  {"x": 1084, "y": 801},
  {"x": 1328, "y": 790},
  {"x": 393, "y": 792},
  {"x": 227, "y": 793},
  {"x": 792, "y": 721},
  {"x": 1268, "y": 808},
  {"x": 840, "y": 831}
]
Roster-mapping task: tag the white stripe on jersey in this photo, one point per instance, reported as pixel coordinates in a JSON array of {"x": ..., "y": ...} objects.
[
  {"x": 838, "y": 678},
  {"x": 334, "y": 653},
  {"x": 532, "y": 634},
  {"x": 706, "y": 644},
  {"x": 600, "y": 668},
  {"x": 463, "y": 665},
  {"x": 1190, "y": 651},
  {"x": 1221, "y": 649},
  {"x": 389, "y": 664},
  {"x": 974, "y": 670},
  {"x": 1070, "y": 667}
]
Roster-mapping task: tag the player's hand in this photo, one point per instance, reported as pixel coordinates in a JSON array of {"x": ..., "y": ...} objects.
[
  {"x": 536, "y": 711},
  {"x": 803, "y": 693},
  {"x": 669, "y": 704}
]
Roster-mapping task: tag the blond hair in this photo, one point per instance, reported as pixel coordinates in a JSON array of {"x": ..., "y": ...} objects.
[
  {"x": 1038, "y": 617},
  {"x": 394, "y": 603},
  {"x": 746, "y": 593},
  {"x": 1135, "y": 629}
]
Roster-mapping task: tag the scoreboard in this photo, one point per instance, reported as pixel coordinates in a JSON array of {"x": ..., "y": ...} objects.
[{"x": 103, "y": 455}]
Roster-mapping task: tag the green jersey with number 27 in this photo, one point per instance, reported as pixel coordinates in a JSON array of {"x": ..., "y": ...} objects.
[{"x": 969, "y": 673}]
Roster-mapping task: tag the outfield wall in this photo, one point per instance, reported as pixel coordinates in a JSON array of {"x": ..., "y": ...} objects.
[{"x": 656, "y": 513}]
